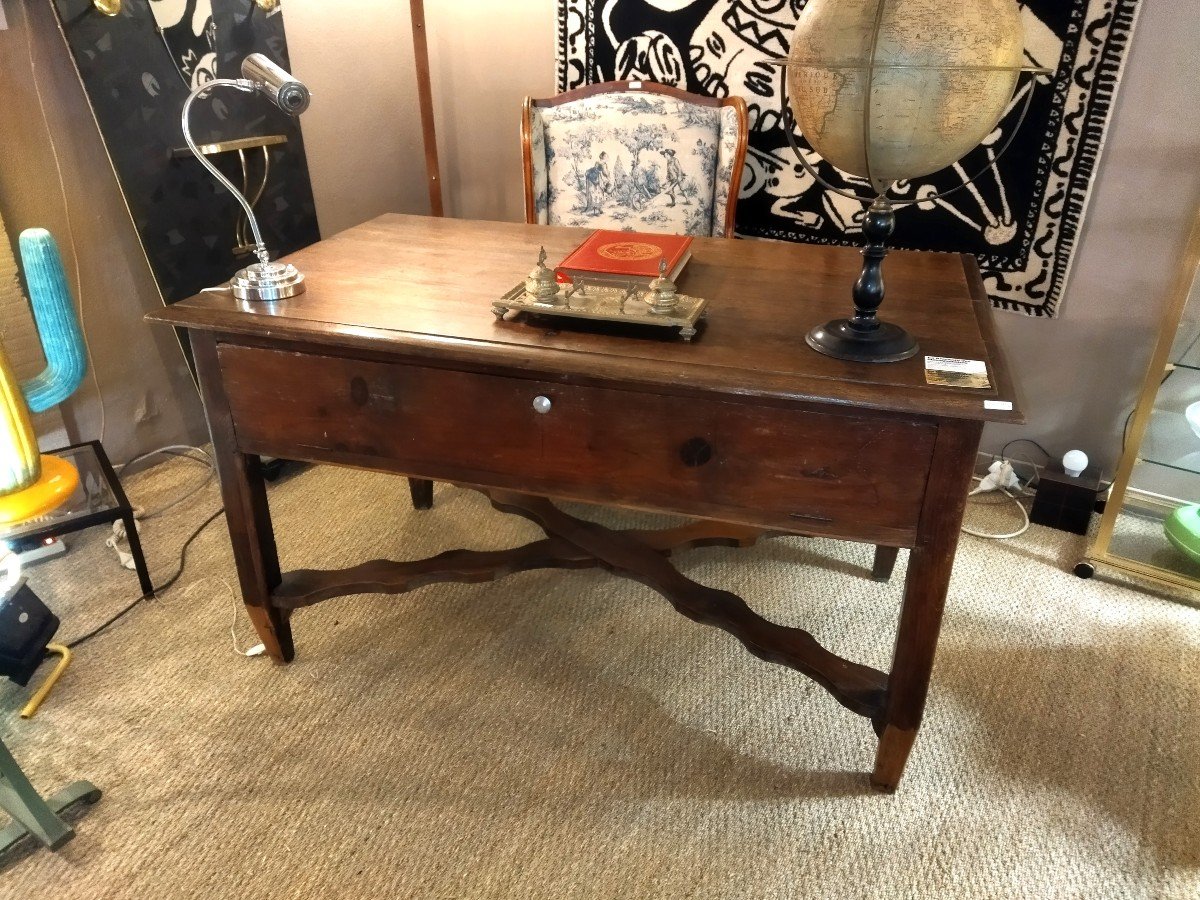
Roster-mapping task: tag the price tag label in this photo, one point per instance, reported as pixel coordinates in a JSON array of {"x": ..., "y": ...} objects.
[{"x": 950, "y": 372}]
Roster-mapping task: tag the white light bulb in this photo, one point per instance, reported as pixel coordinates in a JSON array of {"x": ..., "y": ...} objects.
[{"x": 1074, "y": 462}]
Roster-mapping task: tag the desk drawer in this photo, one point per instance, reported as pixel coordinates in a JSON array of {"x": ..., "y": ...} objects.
[{"x": 794, "y": 469}]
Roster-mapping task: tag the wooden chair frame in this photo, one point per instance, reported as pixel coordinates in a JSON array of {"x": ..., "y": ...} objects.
[{"x": 643, "y": 87}]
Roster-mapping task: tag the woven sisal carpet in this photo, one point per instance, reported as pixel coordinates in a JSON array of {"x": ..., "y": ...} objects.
[{"x": 563, "y": 734}]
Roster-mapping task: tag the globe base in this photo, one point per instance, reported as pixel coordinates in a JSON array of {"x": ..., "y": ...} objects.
[{"x": 842, "y": 340}]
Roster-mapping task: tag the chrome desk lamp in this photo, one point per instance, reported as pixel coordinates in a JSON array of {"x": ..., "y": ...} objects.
[{"x": 264, "y": 280}]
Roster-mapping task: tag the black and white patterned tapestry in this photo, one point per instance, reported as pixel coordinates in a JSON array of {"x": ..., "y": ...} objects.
[
  {"x": 1021, "y": 217},
  {"x": 190, "y": 36}
]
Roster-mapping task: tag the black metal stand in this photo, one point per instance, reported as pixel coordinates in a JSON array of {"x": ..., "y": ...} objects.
[
  {"x": 56, "y": 525},
  {"x": 864, "y": 338}
]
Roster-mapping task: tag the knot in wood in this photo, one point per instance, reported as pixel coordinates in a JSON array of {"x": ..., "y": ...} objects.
[
  {"x": 359, "y": 392},
  {"x": 696, "y": 452}
]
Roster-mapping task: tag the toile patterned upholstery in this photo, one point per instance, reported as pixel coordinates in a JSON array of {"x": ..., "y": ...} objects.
[{"x": 635, "y": 159}]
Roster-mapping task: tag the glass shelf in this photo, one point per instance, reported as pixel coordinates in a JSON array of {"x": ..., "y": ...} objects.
[
  {"x": 1138, "y": 536},
  {"x": 93, "y": 497},
  {"x": 1159, "y": 470},
  {"x": 1170, "y": 442},
  {"x": 1186, "y": 349},
  {"x": 98, "y": 499},
  {"x": 1191, "y": 468}
]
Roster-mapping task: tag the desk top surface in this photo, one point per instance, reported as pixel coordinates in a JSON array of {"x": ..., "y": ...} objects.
[{"x": 423, "y": 287}]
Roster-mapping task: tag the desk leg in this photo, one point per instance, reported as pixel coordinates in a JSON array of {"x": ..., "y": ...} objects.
[
  {"x": 246, "y": 511},
  {"x": 421, "y": 490},
  {"x": 929, "y": 568},
  {"x": 885, "y": 564},
  {"x": 253, "y": 539}
]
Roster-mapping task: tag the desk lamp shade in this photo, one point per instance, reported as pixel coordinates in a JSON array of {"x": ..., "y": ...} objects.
[{"x": 26, "y": 488}]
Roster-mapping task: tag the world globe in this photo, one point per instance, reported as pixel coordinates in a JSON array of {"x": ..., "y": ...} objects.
[{"x": 890, "y": 90}]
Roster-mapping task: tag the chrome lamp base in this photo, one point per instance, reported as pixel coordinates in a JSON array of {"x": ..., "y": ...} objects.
[{"x": 267, "y": 281}]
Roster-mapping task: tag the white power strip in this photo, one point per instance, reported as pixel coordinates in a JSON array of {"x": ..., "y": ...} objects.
[
  {"x": 1000, "y": 477},
  {"x": 49, "y": 548}
]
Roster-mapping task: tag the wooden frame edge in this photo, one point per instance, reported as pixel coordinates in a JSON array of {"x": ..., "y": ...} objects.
[
  {"x": 527, "y": 158},
  {"x": 739, "y": 162},
  {"x": 632, "y": 86}
]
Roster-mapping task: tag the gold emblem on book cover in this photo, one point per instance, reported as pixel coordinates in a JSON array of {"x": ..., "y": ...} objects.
[{"x": 627, "y": 251}]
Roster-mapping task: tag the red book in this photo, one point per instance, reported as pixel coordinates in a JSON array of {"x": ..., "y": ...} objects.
[{"x": 626, "y": 256}]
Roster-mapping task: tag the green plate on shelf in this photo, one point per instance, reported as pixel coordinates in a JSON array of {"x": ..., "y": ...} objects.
[{"x": 1182, "y": 528}]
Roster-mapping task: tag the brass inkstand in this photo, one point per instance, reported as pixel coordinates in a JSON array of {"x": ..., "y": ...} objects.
[{"x": 659, "y": 303}]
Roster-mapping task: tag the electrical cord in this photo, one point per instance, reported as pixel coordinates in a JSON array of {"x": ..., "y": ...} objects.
[
  {"x": 143, "y": 516},
  {"x": 1004, "y": 449},
  {"x": 999, "y": 537},
  {"x": 158, "y": 590},
  {"x": 1129, "y": 418},
  {"x": 1005, "y": 458},
  {"x": 236, "y": 610},
  {"x": 183, "y": 550},
  {"x": 183, "y": 451}
]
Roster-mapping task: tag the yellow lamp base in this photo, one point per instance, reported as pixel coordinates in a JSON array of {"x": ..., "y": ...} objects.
[{"x": 57, "y": 482}]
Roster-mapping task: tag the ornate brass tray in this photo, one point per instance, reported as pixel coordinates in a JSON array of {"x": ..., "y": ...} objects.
[{"x": 656, "y": 304}]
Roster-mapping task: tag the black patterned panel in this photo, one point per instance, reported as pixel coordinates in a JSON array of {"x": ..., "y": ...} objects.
[
  {"x": 185, "y": 219},
  {"x": 1022, "y": 215}
]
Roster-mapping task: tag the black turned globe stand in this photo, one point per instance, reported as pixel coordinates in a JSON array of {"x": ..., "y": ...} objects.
[{"x": 864, "y": 338}]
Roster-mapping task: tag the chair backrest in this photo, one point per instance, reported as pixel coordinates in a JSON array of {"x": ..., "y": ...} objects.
[{"x": 634, "y": 156}]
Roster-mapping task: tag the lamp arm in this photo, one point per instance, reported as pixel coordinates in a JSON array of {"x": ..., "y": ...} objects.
[{"x": 246, "y": 86}]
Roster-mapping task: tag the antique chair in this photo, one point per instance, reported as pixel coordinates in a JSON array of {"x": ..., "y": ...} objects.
[{"x": 634, "y": 156}]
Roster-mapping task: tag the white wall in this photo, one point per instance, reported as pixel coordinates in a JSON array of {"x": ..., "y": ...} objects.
[
  {"x": 363, "y": 130},
  {"x": 486, "y": 57},
  {"x": 361, "y": 134},
  {"x": 1079, "y": 374}
]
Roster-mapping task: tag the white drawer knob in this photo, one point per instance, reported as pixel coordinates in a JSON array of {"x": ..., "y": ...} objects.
[{"x": 541, "y": 404}]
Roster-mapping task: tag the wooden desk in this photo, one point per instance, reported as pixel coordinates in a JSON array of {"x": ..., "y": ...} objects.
[{"x": 393, "y": 361}]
